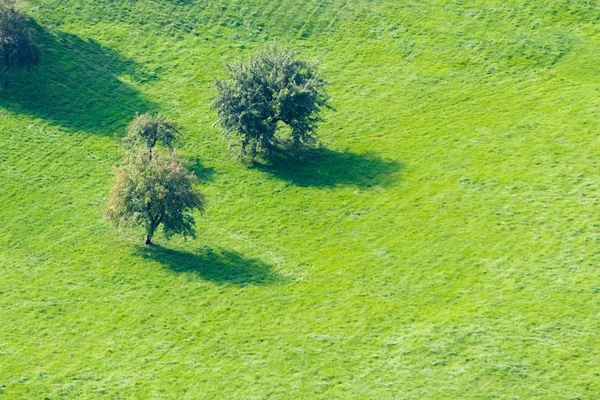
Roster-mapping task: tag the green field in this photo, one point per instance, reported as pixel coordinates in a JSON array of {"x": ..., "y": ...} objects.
[{"x": 444, "y": 244}]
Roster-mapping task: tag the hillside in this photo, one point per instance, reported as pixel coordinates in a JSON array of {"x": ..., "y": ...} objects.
[{"x": 444, "y": 244}]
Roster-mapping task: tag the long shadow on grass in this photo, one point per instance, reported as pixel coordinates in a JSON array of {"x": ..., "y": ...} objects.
[
  {"x": 323, "y": 167},
  {"x": 77, "y": 85},
  {"x": 215, "y": 265}
]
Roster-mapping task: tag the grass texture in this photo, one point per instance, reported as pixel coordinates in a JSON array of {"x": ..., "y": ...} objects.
[{"x": 444, "y": 242}]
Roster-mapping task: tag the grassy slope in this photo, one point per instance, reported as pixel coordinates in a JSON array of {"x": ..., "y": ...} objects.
[{"x": 445, "y": 246}]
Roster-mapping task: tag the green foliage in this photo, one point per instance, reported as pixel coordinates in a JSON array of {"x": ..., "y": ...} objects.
[
  {"x": 273, "y": 87},
  {"x": 17, "y": 40},
  {"x": 150, "y": 191},
  {"x": 147, "y": 130}
]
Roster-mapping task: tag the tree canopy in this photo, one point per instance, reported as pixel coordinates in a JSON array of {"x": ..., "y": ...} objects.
[
  {"x": 17, "y": 40},
  {"x": 147, "y": 130},
  {"x": 154, "y": 191},
  {"x": 274, "y": 88}
]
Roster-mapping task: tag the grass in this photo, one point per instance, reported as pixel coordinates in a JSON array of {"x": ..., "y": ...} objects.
[{"x": 443, "y": 244}]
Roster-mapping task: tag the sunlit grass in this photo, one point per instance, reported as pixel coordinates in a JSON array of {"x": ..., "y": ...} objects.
[{"x": 442, "y": 244}]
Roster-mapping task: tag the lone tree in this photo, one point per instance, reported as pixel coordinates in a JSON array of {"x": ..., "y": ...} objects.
[
  {"x": 17, "y": 40},
  {"x": 273, "y": 89},
  {"x": 149, "y": 192},
  {"x": 147, "y": 130}
]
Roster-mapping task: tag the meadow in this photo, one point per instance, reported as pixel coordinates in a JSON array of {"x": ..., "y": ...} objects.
[{"x": 442, "y": 244}]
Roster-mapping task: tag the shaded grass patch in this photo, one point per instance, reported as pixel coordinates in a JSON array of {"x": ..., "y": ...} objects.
[
  {"x": 77, "y": 86},
  {"x": 322, "y": 167},
  {"x": 215, "y": 265},
  {"x": 204, "y": 174}
]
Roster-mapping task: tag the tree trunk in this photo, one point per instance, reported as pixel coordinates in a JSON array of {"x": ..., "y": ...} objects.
[
  {"x": 151, "y": 148},
  {"x": 149, "y": 233},
  {"x": 151, "y": 229}
]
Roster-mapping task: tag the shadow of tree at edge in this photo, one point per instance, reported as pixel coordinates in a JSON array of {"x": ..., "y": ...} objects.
[{"x": 77, "y": 85}]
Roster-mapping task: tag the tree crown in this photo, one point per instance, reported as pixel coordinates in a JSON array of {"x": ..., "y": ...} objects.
[
  {"x": 17, "y": 39},
  {"x": 155, "y": 191},
  {"x": 274, "y": 86},
  {"x": 147, "y": 130}
]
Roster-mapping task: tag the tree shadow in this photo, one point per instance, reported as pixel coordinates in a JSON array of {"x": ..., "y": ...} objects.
[
  {"x": 215, "y": 265},
  {"x": 79, "y": 85},
  {"x": 323, "y": 167},
  {"x": 204, "y": 174}
]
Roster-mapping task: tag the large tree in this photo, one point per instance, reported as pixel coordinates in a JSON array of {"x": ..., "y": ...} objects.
[
  {"x": 274, "y": 89},
  {"x": 17, "y": 40},
  {"x": 154, "y": 191}
]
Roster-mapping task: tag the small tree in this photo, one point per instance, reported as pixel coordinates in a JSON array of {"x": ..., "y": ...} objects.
[
  {"x": 147, "y": 130},
  {"x": 149, "y": 192},
  {"x": 17, "y": 40},
  {"x": 272, "y": 89}
]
